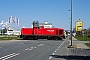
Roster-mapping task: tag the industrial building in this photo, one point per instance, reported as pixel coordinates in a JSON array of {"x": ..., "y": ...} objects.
[
  {"x": 45, "y": 24},
  {"x": 13, "y": 32}
]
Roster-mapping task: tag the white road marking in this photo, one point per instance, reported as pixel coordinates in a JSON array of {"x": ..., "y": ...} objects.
[
  {"x": 3, "y": 59},
  {"x": 30, "y": 49},
  {"x": 18, "y": 54},
  {"x": 9, "y": 56},
  {"x": 62, "y": 43},
  {"x": 27, "y": 49},
  {"x": 40, "y": 44},
  {"x": 35, "y": 47},
  {"x": 15, "y": 55},
  {"x": 50, "y": 57},
  {"x": 37, "y": 42},
  {"x": 53, "y": 53},
  {"x": 57, "y": 49}
]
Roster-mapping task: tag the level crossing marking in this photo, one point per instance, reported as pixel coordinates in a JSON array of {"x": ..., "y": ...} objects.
[
  {"x": 31, "y": 48},
  {"x": 27, "y": 49},
  {"x": 9, "y": 56},
  {"x": 40, "y": 44}
]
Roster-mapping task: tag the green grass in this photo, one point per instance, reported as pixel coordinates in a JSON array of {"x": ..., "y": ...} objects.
[
  {"x": 88, "y": 44},
  {"x": 83, "y": 38},
  {"x": 8, "y": 37}
]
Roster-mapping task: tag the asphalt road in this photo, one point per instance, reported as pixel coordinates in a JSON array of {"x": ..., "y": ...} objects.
[{"x": 31, "y": 49}]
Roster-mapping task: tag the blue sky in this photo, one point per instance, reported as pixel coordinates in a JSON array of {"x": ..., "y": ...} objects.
[{"x": 53, "y": 11}]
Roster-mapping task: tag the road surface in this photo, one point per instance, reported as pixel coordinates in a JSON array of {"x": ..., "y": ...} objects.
[{"x": 31, "y": 49}]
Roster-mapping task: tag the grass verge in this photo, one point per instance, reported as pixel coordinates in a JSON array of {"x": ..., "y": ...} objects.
[
  {"x": 8, "y": 38},
  {"x": 82, "y": 38},
  {"x": 88, "y": 44}
]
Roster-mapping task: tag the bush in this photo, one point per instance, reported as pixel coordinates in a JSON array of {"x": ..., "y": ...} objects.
[{"x": 89, "y": 36}]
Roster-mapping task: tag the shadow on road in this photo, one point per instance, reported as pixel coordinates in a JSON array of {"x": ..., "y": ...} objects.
[
  {"x": 75, "y": 54},
  {"x": 39, "y": 39},
  {"x": 71, "y": 57}
]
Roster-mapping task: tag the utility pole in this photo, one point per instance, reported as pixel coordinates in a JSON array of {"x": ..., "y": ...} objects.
[{"x": 71, "y": 22}]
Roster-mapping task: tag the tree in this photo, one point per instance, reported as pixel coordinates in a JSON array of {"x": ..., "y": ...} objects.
[{"x": 3, "y": 31}]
